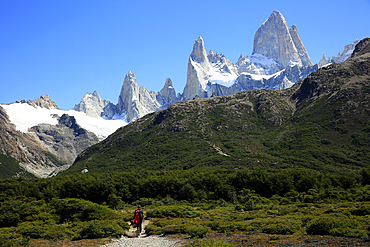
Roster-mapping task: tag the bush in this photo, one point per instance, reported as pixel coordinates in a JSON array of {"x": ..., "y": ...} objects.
[
  {"x": 100, "y": 229},
  {"x": 74, "y": 210},
  {"x": 197, "y": 231},
  {"x": 281, "y": 227},
  {"x": 349, "y": 232},
  {"x": 13, "y": 239},
  {"x": 38, "y": 229},
  {"x": 208, "y": 243},
  {"x": 153, "y": 230},
  {"x": 225, "y": 227},
  {"x": 362, "y": 211},
  {"x": 277, "y": 229},
  {"x": 173, "y": 212},
  {"x": 323, "y": 225}
]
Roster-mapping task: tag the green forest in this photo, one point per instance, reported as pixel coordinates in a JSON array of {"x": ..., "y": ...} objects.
[{"x": 277, "y": 202}]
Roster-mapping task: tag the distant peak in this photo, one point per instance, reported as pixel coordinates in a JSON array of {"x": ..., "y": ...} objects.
[
  {"x": 130, "y": 76},
  {"x": 43, "y": 102},
  {"x": 44, "y": 97},
  {"x": 293, "y": 28},
  {"x": 168, "y": 83},
  {"x": 199, "y": 53},
  {"x": 276, "y": 15}
]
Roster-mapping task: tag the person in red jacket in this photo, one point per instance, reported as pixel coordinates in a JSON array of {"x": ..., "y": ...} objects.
[{"x": 138, "y": 219}]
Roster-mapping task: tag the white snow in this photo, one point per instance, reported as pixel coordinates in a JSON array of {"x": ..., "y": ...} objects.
[
  {"x": 224, "y": 79},
  {"x": 259, "y": 59},
  {"x": 261, "y": 77},
  {"x": 25, "y": 116}
]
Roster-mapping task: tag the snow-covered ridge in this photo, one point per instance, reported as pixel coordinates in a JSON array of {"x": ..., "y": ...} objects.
[{"x": 25, "y": 116}]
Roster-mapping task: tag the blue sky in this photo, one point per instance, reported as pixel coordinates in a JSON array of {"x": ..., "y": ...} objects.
[{"x": 66, "y": 48}]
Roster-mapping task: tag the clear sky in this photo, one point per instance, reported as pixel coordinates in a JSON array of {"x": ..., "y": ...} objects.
[{"x": 66, "y": 48}]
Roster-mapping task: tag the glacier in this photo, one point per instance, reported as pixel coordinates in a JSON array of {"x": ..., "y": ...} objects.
[{"x": 25, "y": 116}]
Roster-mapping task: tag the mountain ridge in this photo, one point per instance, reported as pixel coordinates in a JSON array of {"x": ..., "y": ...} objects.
[
  {"x": 320, "y": 123},
  {"x": 278, "y": 50}
]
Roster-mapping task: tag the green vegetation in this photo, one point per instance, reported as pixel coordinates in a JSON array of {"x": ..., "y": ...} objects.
[
  {"x": 208, "y": 243},
  {"x": 25, "y": 218},
  {"x": 279, "y": 202},
  {"x": 10, "y": 166}
]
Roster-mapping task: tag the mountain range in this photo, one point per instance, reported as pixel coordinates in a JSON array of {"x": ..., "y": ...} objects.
[
  {"x": 321, "y": 123},
  {"x": 48, "y": 141}
]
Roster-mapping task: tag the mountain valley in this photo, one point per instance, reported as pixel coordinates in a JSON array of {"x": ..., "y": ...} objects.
[
  {"x": 209, "y": 76},
  {"x": 272, "y": 150}
]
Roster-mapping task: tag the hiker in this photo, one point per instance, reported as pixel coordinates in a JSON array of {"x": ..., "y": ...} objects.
[{"x": 138, "y": 219}]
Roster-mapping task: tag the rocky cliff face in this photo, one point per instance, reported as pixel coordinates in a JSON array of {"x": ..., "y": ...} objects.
[
  {"x": 31, "y": 153},
  {"x": 45, "y": 149},
  {"x": 66, "y": 139},
  {"x": 43, "y": 102},
  {"x": 167, "y": 95},
  {"x": 275, "y": 40},
  {"x": 135, "y": 101},
  {"x": 197, "y": 73}
]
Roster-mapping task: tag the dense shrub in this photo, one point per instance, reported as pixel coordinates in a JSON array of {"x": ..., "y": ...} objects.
[
  {"x": 173, "y": 212},
  {"x": 362, "y": 211},
  {"x": 38, "y": 229},
  {"x": 277, "y": 229},
  {"x": 229, "y": 227},
  {"x": 349, "y": 232},
  {"x": 72, "y": 210},
  {"x": 196, "y": 230},
  {"x": 208, "y": 243},
  {"x": 325, "y": 225},
  {"x": 100, "y": 229},
  {"x": 13, "y": 239}
]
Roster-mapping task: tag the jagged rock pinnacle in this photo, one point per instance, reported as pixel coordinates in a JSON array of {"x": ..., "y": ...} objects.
[
  {"x": 199, "y": 53},
  {"x": 305, "y": 58},
  {"x": 273, "y": 40}
]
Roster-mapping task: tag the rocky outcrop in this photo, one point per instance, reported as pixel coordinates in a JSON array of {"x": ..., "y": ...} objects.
[
  {"x": 43, "y": 102},
  {"x": 341, "y": 57},
  {"x": 66, "y": 139},
  {"x": 94, "y": 106},
  {"x": 323, "y": 61},
  {"x": 361, "y": 48}
]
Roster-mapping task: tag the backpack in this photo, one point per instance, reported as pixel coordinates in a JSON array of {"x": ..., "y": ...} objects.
[{"x": 136, "y": 217}]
